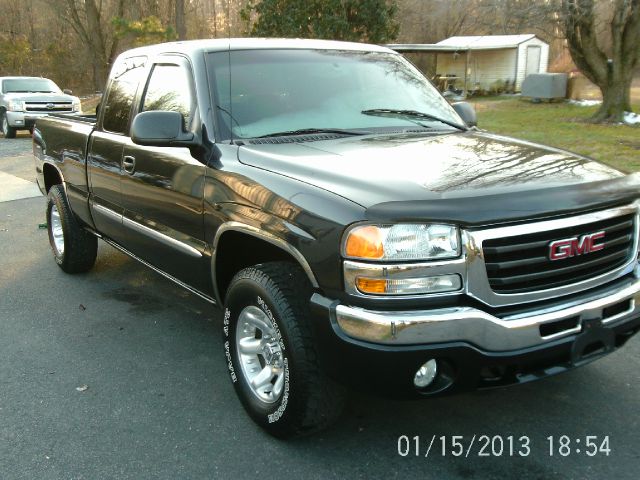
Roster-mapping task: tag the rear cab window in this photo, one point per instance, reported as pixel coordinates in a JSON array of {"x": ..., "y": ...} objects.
[{"x": 126, "y": 76}]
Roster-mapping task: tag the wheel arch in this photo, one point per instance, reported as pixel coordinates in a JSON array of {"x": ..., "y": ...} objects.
[
  {"x": 52, "y": 176},
  {"x": 260, "y": 246}
]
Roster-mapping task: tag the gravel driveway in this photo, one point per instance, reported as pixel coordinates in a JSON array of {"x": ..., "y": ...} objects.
[{"x": 12, "y": 147}]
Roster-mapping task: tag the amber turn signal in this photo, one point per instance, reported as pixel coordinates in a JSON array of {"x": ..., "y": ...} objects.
[
  {"x": 365, "y": 242},
  {"x": 409, "y": 286},
  {"x": 371, "y": 285}
]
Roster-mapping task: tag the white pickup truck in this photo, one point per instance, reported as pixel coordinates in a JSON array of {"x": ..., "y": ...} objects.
[{"x": 24, "y": 99}]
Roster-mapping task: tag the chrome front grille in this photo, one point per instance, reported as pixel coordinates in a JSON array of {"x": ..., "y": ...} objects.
[
  {"x": 48, "y": 106},
  {"x": 521, "y": 263}
]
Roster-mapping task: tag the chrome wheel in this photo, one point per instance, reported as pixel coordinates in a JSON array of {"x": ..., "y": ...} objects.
[
  {"x": 261, "y": 358},
  {"x": 5, "y": 125},
  {"x": 57, "y": 234}
]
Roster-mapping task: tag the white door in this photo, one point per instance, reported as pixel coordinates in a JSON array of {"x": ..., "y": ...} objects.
[{"x": 533, "y": 60}]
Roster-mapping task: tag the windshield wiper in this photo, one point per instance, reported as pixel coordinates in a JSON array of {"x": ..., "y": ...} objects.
[
  {"x": 310, "y": 131},
  {"x": 410, "y": 115}
]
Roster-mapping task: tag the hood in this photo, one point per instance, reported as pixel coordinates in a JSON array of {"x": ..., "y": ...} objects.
[
  {"x": 428, "y": 174},
  {"x": 40, "y": 97}
]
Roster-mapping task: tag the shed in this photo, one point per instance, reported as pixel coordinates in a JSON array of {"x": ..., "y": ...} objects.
[{"x": 482, "y": 61}]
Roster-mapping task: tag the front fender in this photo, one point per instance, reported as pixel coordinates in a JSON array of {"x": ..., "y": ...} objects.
[{"x": 314, "y": 244}]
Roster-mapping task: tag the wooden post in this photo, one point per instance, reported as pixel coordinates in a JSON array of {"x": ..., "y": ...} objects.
[{"x": 466, "y": 73}]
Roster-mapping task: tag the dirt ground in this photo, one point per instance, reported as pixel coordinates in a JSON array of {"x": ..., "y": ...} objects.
[{"x": 580, "y": 89}]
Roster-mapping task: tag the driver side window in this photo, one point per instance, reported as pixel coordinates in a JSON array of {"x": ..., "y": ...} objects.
[{"x": 169, "y": 88}]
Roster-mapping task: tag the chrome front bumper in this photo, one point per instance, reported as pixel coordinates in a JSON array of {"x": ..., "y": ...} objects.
[
  {"x": 481, "y": 328},
  {"x": 22, "y": 119}
]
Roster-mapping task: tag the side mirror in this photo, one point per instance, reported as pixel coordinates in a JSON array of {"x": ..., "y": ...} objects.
[
  {"x": 66, "y": 91},
  {"x": 160, "y": 128},
  {"x": 466, "y": 112}
]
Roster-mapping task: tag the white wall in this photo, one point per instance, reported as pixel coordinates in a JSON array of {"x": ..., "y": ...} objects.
[
  {"x": 485, "y": 66},
  {"x": 488, "y": 66},
  {"x": 522, "y": 58}
]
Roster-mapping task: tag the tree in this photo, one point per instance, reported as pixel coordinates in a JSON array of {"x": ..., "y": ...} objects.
[
  {"x": 507, "y": 17},
  {"x": 181, "y": 26},
  {"x": 355, "y": 20},
  {"x": 611, "y": 69},
  {"x": 429, "y": 21},
  {"x": 91, "y": 22},
  {"x": 143, "y": 32}
]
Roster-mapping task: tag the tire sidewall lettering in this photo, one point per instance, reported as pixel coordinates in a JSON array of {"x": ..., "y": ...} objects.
[
  {"x": 277, "y": 415},
  {"x": 265, "y": 308},
  {"x": 227, "y": 346},
  {"x": 284, "y": 401},
  {"x": 232, "y": 370},
  {"x": 225, "y": 322}
]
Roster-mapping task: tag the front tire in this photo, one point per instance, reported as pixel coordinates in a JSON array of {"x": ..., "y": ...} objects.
[
  {"x": 7, "y": 130},
  {"x": 74, "y": 249},
  {"x": 271, "y": 354}
]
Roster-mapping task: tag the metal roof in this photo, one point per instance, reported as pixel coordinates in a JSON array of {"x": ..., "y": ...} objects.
[
  {"x": 480, "y": 42},
  {"x": 424, "y": 47},
  {"x": 465, "y": 43}
]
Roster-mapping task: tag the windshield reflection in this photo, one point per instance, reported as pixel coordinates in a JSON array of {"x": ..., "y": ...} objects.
[
  {"x": 26, "y": 85},
  {"x": 262, "y": 92}
]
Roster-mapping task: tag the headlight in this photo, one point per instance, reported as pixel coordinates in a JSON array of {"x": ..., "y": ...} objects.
[
  {"x": 402, "y": 242},
  {"x": 16, "y": 106},
  {"x": 76, "y": 106}
]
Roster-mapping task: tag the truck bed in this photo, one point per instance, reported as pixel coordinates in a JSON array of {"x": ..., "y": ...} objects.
[
  {"x": 67, "y": 139},
  {"x": 74, "y": 117}
]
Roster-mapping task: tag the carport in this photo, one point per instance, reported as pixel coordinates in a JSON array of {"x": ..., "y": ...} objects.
[
  {"x": 479, "y": 61},
  {"x": 434, "y": 48}
]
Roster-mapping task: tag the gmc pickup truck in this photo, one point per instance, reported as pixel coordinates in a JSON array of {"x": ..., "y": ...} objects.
[{"x": 354, "y": 229}]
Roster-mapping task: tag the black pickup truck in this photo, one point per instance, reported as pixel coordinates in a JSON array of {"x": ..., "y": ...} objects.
[{"x": 352, "y": 225}]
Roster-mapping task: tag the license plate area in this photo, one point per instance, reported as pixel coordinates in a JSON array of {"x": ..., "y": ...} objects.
[{"x": 594, "y": 341}]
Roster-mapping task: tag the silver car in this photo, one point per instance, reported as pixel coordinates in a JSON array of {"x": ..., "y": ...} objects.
[{"x": 24, "y": 99}]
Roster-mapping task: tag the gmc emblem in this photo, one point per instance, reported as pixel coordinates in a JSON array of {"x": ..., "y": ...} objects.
[{"x": 570, "y": 247}]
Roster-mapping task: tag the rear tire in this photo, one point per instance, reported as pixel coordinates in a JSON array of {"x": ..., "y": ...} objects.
[
  {"x": 271, "y": 354},
  {"x": 74, "y": 249},
  {"x": 7, "y": 130}
]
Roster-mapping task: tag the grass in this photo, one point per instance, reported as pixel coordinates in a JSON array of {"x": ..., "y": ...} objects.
[
  {"x": 562, "y": 125},
  {"x": 89, "y": 104}
]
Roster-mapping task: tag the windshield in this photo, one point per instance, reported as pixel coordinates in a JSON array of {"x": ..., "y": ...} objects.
[
  {"x": 264, "y": 92},
  {"x": 24, "y": 85}
]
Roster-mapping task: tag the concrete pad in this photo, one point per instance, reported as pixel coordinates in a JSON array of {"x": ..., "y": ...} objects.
[
  {"x": 16, "y": 188},
  {"x": 22, "y": 166}
]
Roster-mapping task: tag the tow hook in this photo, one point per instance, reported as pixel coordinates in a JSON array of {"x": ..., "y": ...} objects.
[{"x": 594, "y": 341}]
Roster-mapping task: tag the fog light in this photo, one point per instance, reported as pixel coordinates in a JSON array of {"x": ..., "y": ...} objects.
[{"x": 426, "y": 374}]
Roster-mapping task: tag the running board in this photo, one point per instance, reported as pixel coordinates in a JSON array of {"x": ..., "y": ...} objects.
[{"x": 156, "y": 269}]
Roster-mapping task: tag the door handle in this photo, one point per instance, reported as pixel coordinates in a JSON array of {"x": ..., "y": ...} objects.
[{"x": 129, "y": 164}]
